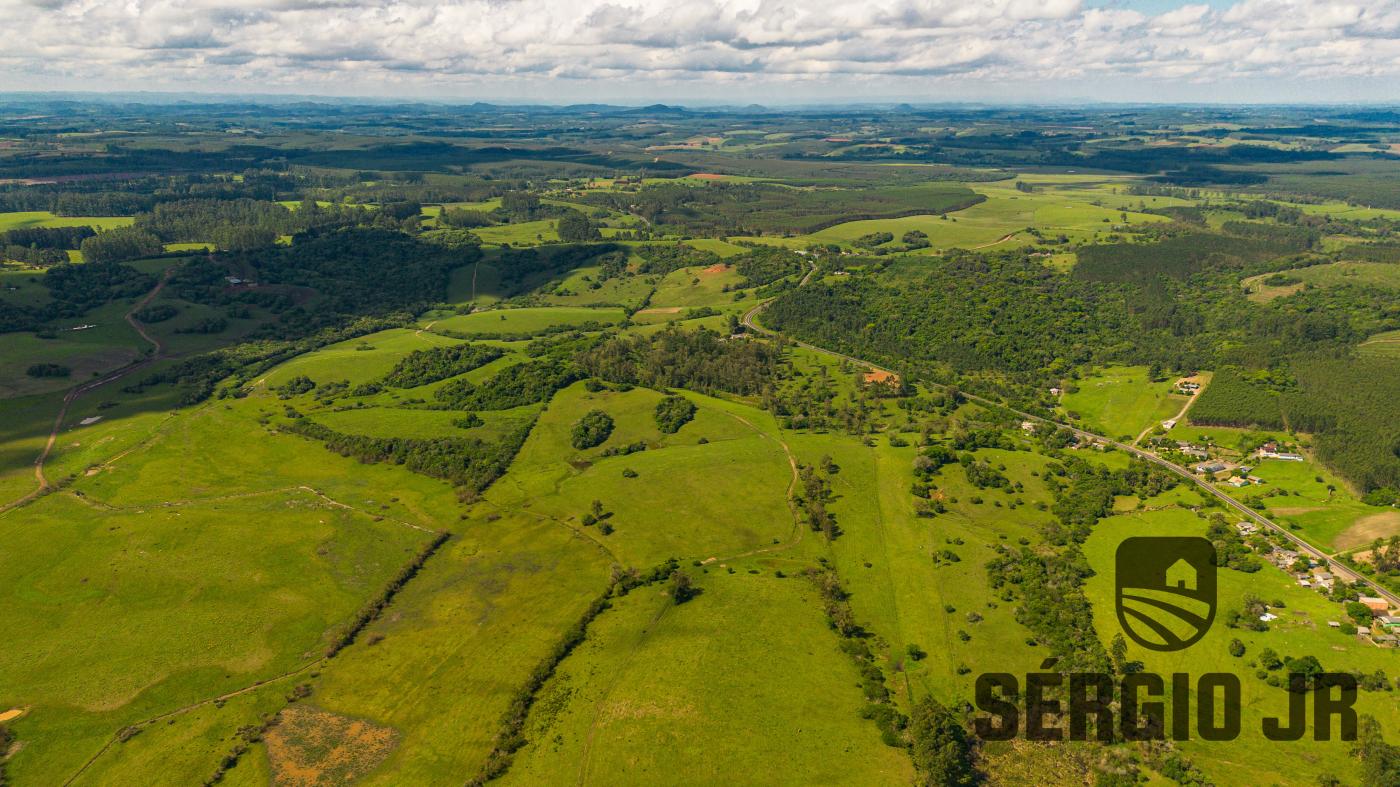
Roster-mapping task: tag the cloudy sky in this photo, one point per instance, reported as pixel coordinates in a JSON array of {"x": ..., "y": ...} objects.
[{"x": 768, "y": 51}]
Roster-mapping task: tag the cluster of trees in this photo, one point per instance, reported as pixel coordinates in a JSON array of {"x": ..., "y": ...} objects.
[
  {"x": 421, "y": 367},
  {"x": 241, "y": 224},
  {"x": 673, "y": 412},
  {"x": 465, "y": 462},
  {"x": 699, "y": 360},
  {"x": 42, "y": 245},
  {"x": 1380, "y": 761},
  {"x": 73, "y": 290},
  {"x": 1084, "y": 493},
  {"x": 356, "y": 272},
  {"x": 765, "y": 265},
  {"x": 121, "y": 243},
  {"x": 159, "y": 312},
  {"x": 662, "y": 258},
  {"x": 48, "y": 370},
  {"x": 592, "y": 429},
  {"x": 722, "y": 209},
  {"x": 521, "y": 384},
  {"x": 574, "y": 227},
  {"x": 816, "y": 492}
]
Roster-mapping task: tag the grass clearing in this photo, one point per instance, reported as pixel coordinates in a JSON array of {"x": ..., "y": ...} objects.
[
  {"x": 1357, "y": 274},
  {"x": 44, "y": 218},
  {"x": 743, "y": 679},
  {"x": 1120, "y": 401}
]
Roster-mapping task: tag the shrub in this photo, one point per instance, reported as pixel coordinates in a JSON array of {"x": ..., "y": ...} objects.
[{"x": 48, "y": 370}]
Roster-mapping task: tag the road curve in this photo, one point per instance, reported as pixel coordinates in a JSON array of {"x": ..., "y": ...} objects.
[{"x": 1304, "y": 547}]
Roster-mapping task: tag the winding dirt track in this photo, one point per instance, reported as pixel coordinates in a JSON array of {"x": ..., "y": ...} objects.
[{"x": 156, "y": 354}]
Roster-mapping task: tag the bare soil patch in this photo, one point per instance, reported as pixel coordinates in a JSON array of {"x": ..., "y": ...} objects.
[
  {"x": 1369, "y": 528},
  {"x": 715, "y": 270},
  {"x": 310, "y": 747},
  {"x": 881, "y": 376},
  {"x": 661, "y": 310},
  {"x": 707, "y": 176}
]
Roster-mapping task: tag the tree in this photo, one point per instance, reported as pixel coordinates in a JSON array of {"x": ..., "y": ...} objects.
[
  {"x": 1236, "y": 648},
  {"x": 574, "y": 227},
  {"x": 1380, "y": 761},
  {"x": 939, "y": 746},
  {"x": 1359, "y": 612},
  {"x": 682, "y": 590},
  {"x": 1118, "y": 650}
]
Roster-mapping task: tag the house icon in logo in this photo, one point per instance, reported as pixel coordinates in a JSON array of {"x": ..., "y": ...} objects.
[
  {"x": 1181, "y": 575},
  {"x": 1166, "y": 590}
]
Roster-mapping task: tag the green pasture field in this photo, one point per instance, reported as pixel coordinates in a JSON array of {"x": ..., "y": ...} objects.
[
  {"x": 1333, "y": 519},
  {"x": 526, "y": 233},
  {"x": 575, "y": 289},
  {"x": 24, "y": 428},
  {"x": 526, "y": 320},
  {"x": 185, "y": 748},
  {"x": 344, "y": 361},
  {"x": 185, "y": 604},
  {"x": 89, "y": 352},
  {"x": 170, "y": 334},
  {"x": 1382, "y": 344},
  {"x": 1120, "y": 401},
  {"x": 693, "y": 287},
  {"x": 1301, "y": 630},
  {"x": 199, "y": 246},
  {"x": 1005, "y": 212},
  {"x": 720, "y": 247},
  {"x": 743, "y": 679},
  {"x": 1359, "y": 274},
  {"x": 313, "y": 563},
  {"x": 478, "y": 283},
  {"x": 43, "y": 218},
  {"x": 423, "y": 424},
  {"x": 884, "y": 554},
  {"x": 27, "y": 285},
  {"x": 688, "y": 500},
  {"x": 460, "y": 640}
]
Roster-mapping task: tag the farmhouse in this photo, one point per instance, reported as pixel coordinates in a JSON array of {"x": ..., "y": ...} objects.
[
  {"x": 1195, "y": 451},
  {"x": 1270, "y": 450},
  {"x": 1378, "y": 606}
]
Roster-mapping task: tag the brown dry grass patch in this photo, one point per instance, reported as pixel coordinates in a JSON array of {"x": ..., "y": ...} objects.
[
  {"x": 1368, "y": 529},
  {"x": 310, "y": 747}
]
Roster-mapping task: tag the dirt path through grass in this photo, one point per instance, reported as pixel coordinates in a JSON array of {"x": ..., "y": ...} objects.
[{"x": 157, "y": 353}]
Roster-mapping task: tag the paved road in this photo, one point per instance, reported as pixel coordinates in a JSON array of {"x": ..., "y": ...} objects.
[{"x": 1302, "y": 546}]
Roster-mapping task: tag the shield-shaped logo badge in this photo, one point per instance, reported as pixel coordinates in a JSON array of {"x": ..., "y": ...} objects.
[{"x": 1166, "y": 590}]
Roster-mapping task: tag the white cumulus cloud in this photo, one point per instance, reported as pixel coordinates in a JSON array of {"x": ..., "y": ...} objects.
[{"x": 574, "y": 48}]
